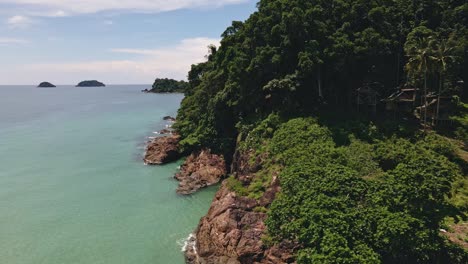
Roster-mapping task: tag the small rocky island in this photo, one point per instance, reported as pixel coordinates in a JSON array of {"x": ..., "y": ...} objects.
[
  {"x": 92, "y": 83},
  {"x": 46, "y": 85}
]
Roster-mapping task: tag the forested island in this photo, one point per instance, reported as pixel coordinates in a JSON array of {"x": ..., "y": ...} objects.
[
  {"x": 167, "y": 86},
  {"x": 92, "y": 83},
  {"x": 46, "y": 85},
  {"x": 343, "y": 127}
]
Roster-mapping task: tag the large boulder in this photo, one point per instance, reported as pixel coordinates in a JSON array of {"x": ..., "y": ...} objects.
[
  {"x": 200, "y": 170},
  {"x": 162, "y": 150}
]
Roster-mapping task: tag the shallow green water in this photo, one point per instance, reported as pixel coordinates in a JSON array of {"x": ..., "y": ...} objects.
[{"x": 73, "y": 188}]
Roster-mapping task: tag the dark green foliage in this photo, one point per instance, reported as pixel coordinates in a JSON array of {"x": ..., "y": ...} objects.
[
  {"x": 338, "y": 214},
  {"x": 46, "y": 85},
  {"x": 292, "y": 56},
  {"x": 461, "y": 118},
  {"x": 258, "y": 135},
  {"x": 92, "y": 83},
  {"x": 360, "y": 157},
  {"x": 295, "y": 140},
  {"x": 353, "y": 190},
  {"x": 168, "y": 86}
]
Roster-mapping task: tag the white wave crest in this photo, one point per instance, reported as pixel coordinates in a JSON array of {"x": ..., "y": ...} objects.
[{"x": 188, "y": 243}]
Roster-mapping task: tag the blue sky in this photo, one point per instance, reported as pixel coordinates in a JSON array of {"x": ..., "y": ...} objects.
[{"x": 115, "y": 41}]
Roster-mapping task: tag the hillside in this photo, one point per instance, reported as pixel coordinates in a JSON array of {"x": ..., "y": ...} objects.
[{"x": 333, "y": 118}]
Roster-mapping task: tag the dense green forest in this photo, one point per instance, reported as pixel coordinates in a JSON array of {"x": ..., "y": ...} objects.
[
  {"x": 168, "y": 86},
  {"x": 359, "y": 184}
]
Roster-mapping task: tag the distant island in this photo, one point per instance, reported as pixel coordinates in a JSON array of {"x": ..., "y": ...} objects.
[
  {"x": 167, "y": 86},
  {"x": 92, "y": 83},
  {"x": 46, "y": 85}
]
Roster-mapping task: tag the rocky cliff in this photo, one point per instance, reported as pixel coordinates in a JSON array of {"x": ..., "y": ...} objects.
[{"x": 232, "y": 230}]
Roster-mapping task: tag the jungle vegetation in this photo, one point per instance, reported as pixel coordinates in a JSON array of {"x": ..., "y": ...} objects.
[
  {"x": 356, "y": 187},
  {"x": 168, "y": 86}
]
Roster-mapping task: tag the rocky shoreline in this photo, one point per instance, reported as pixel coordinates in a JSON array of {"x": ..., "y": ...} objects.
[
  {"x": 232, "y": 230},
  {"x": 199, "y": 170}
]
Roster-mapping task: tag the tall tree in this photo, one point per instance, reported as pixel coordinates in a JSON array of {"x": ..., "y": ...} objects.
[
  {"x": 419, "y": 49},
  {"x": 444, "y": 54}
]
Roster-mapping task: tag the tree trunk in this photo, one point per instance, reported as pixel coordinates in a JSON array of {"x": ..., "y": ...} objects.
[
  {"x": 319, "y": 82},
  {"x": 438, "y": 97},
  {"x": 425, "y": 99}
]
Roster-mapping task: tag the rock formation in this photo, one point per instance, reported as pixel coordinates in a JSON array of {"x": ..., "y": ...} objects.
[
  {"x": 232, "y": 230},
  {"x": 162, "y": 150},
  {"x": 200, "y": 170}
]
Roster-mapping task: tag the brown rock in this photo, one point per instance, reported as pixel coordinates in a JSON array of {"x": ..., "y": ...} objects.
[
  {"x": 162, "y": 150},
  {"x": 232, "y": 230},
  {"x": 200, "y": 170}
]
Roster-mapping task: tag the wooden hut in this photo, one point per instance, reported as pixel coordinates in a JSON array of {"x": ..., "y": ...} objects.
[{"x": 404, "y": 100}]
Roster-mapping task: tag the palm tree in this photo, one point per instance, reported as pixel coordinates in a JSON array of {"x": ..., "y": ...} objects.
[
  {"x": 443, "y": 55},
  {"x": 421, "y": 62}
]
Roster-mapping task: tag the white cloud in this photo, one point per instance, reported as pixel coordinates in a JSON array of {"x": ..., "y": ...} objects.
[
  {"x": 58, "y": 13},
  {"x": 12, "y": 41},
  {"x": 171, "y": 62},
  {"x": 93, "y": 6},
  {"x": 19, "y": 22}
]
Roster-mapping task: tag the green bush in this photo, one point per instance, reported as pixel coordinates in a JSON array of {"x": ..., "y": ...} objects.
[
  {"x": 303, "y": 140},
  {"x": 360, "y": 157},
  {"x": 338, "y": 215},
  {"x": 235, "y": 185}
]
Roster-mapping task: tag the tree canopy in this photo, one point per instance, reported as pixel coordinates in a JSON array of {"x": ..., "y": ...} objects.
[
  {"x": 296, "y": 56},
  {"x": 348, "y": 194},
  {"x": 168, "y": 86}
]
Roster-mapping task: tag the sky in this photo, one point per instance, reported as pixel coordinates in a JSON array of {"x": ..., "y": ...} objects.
[{"x": 113, "y": 41}]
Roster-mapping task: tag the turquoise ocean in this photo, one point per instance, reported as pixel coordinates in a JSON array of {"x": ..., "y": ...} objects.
[{"x": 73, "y": 187}]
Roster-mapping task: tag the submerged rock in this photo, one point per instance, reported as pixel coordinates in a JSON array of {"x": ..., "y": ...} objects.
[
  {"x": 200, "y": 170},
  {"x": 162, "y": 150},
  {"x": 46, "y": 85}
]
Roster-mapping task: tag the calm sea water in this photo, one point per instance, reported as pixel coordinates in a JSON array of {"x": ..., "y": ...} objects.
[{"x": 73, "y": 188}]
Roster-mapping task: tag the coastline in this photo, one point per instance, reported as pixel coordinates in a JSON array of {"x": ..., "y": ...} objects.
[{"x": 233, "y": 227}]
